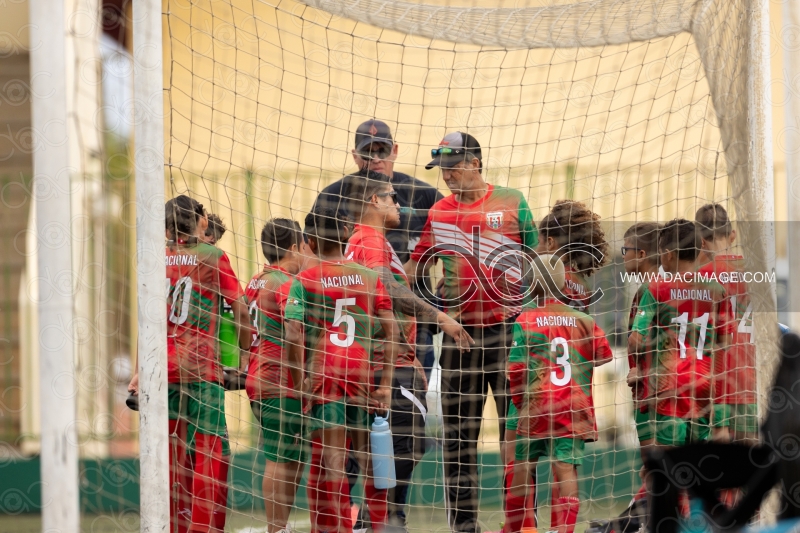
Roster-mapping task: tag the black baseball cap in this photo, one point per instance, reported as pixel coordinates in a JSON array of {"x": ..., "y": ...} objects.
[
  {"x": 453, "y": 149},
  {"x": 373, "y": 131}
]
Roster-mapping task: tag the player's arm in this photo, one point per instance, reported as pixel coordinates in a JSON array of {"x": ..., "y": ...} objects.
[
  {"x": 293, "y": 344},
  {"x": 724, "y": 324},
  {"x": 294, "y": 314},
  {"x": 405, "y": 301},
  {"x": 386, "y": 318},
  {"x": 415, "y": 267},
  {"x": 637, "y": 344},
  {"x": 244, "y": 330},
  {"x": 518, "y": 365},
  {"x": 601, "y": 350}
]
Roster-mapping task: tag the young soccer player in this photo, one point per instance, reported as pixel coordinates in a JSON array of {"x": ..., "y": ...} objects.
[
  {"x": 640, "y": 256},
  {"x": 374, "y": 210},
  {"x": 215, "y": 230},
  {"x": 551, "y": 365},
  {"x": 271, "y": 379},
  {"x": 336, "y": 303},
  {"x": 737, "y": 409},
  {"x": 197, "y": 276},
  {"x": 693, "y": 326},
  {"x": 572, "y": 232}
]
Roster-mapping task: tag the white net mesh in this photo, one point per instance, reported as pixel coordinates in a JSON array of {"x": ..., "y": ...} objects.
[{"x": 639, "y": 109}]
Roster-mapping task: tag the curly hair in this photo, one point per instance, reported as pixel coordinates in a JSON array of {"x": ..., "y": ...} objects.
[
  {"x": 578, "y": 233},
  {"x": 216, "y": 227}
]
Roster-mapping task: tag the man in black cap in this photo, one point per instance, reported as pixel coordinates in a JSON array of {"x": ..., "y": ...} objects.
[
  {"x": 483, "y": 234},
  {"x": 376, "y": 151}
]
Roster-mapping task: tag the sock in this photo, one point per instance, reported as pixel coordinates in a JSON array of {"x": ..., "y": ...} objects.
[
  {"x": 556, "y": 520},
  {"x": 221, "y": 497},
  {"x": 179, "y": 478},
  {"x": 376, "y": 505},
  {"x": 683, "y": 504},
  {"x": 207, "y": 479},
  {"x": 508, "y": 477},
  {"x": 339, "y": 511},
  {"x": 515, "y": 514},
  {"x": 569, "y": 507},
  {"x": 318, "y": 495}
]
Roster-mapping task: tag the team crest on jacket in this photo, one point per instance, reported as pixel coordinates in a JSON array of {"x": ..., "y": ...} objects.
[{"x": 495, "y": 219}]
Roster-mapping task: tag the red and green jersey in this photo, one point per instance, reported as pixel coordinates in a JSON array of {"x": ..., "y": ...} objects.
[
  {"x": 337, "y": 302},
  {"x": 481, "y": 246},
  {"x": 689, "y": 316},
  {"x": 268, "y": 372},
  {"x": 576, "y": 288},
  {"x": 369, "y": 247},
  {"x": 551, "y": 365},
  {"x": 198, "y": 277},
  {"x": 737, "y": 370}
]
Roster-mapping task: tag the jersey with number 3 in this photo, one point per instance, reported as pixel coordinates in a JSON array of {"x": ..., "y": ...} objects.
[
  {"x": 337, "y": 302},
  {"x": 738, "y": 376},
  {"x": 551, "y": 366},
  {"x": 690, "y": 317},
  {"x": 198, "y": 277}
]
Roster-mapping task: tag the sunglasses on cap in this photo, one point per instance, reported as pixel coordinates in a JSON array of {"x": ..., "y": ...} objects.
[
  {"x": 376, "y": 151},
  {"x": 446, "y": 150}
]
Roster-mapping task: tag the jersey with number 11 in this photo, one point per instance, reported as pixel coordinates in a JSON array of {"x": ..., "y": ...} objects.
[
  {"x": 690, "y": 318},
  {"x": 198, "y": 276}
]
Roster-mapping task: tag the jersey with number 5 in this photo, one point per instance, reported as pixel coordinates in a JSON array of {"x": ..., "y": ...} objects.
[
  {"x": 551, "y": 365},
  {"x": 690, "y": 317},
  {"x": 337, "y": 302},
  {"x": 738, "y": 375},
  {"x": 198, "y": 276}
]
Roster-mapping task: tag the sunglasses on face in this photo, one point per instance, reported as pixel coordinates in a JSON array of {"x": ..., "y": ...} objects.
[
  {"x": 390, "y": 194},
  {"x": 626, "y": 248},
  {"x": 376, "y": 151}
]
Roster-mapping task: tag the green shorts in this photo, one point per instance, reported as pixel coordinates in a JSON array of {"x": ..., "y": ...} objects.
[
  {"x": 675, "y": 431},
  {"x": 512, "y": 418},
  {"x": 281, "y": 422},
  {"x": 644, "y": 424},
  {"x": 571, "y": 451},
  {"x": 338, "y": 413},
  {"x": 202, "y": 405},
  {"x": 740, "y": 418}
]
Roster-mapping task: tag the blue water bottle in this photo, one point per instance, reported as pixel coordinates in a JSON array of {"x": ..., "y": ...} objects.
[{"x": 382, "y": 454}]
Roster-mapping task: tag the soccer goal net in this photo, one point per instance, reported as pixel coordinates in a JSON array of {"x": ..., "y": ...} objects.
[{"x": 641, "y": 110}]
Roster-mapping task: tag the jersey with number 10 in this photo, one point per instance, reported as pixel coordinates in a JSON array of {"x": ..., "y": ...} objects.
[
  {"x": 268, "y": 373},
  {"x": 198, "y": 276},
  {"x": 551, "y": 365},
  {"x": 738, "y": 377},
  {"x": 690, "y": 317},
  {"x": 337, "y": 302}
]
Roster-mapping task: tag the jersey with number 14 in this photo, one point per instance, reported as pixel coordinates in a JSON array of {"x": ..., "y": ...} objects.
[
  {"x": 551, "y": 365},
  {"x": 690, "y": 318},
  {"x": 738, "y": 378},
  {"x": 198, "y": 276},
  {"x": 337, "y": 302},
  {"x": 268, "y": 373}
]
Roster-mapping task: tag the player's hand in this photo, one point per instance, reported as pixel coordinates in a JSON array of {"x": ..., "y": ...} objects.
[
  {"x": 451, "y": 327},
  {"x": 133, "y": 386},
  {"x": 720, "y": 434},
  {"x": 383, "y": 397},
  {"x": 634, "y": 377}
]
